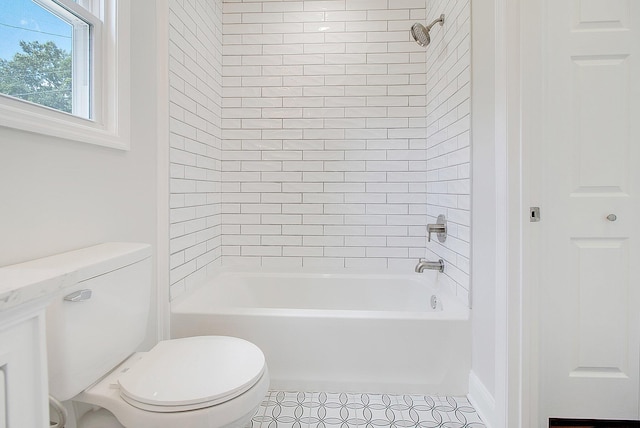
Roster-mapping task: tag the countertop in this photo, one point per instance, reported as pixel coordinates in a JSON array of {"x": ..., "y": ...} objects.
[{"x": 20, "y": 285}]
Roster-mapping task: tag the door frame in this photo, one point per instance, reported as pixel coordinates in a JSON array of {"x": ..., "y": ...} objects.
[
  {"x": 524, "y": 276},
  {"x": 519, "y": 80},
  {"x": 533, "y": 40}
]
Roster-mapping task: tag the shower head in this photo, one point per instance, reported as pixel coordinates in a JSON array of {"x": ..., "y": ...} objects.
[{"x": 420, "y": 33}]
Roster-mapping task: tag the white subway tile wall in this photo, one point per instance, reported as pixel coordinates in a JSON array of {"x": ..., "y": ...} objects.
[
  {"x": 324, "y": 160},
  {"x": 195, "y": 68},
  {"x": 448, "y": 136},
  {"x": 299, "y": 138}
]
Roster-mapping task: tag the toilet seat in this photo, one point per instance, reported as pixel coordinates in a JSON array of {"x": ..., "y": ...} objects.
[
  {"x": 236, "y": 412},
  {"x": 191, "y": 373}
]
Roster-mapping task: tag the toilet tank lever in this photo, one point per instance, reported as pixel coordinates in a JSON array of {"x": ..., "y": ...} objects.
[{"x": 78, "y": 296}]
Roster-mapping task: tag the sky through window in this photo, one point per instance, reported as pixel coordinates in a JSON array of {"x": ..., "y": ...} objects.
[{"x": 25, "y": 20}]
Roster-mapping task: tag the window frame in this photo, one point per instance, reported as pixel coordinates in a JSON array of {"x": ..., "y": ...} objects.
[{"x": 109, "y": 73}]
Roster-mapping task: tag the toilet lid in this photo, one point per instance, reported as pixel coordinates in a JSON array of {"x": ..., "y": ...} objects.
[{"x": 192, "y": 373}]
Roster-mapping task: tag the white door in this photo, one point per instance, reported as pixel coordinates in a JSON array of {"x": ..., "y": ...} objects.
[{"x": 589, "y": 293}]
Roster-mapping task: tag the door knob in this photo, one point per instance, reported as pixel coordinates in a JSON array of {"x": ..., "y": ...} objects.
[{"x": 612, "y": 217}]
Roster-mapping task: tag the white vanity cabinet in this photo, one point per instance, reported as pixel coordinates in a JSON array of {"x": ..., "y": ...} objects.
[
  {"x": 25, "y": 291},
  {"x": 23, "y": 367}
]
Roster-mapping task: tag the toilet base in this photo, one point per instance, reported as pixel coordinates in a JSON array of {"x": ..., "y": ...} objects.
[{"x": 100, "y": 418}]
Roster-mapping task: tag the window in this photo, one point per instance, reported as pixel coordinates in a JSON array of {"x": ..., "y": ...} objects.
[{"x": 64, "y": 69}]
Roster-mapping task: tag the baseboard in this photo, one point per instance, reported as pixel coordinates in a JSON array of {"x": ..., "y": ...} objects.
[{"x": 482, "y": 400}]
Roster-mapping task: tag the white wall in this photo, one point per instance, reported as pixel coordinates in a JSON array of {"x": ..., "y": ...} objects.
[
  {"x": 195, "y": 94},
  {"x": 449, "y": 137},
  {"x": 324, "y": 149},
  {"x": 484, "y": 200},
  {"x": 60, "y": 195}
]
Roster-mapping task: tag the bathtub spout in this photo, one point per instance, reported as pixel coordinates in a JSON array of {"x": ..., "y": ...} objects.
[{"x": 425, "y": 264}]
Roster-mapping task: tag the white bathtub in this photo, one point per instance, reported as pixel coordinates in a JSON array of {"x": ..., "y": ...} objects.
[{"x": 338, "y": 332}]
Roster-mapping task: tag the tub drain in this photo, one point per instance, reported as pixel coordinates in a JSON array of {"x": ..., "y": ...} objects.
[{"x": 434, "y": 301}]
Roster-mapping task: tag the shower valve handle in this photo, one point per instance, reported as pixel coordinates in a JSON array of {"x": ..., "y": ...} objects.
[{"x": 439, "y": 228}]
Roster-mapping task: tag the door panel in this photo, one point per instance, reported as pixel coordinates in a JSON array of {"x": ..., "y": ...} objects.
[
  {"x": 590, "y": 305},
  {"x": 601, "y": 324},
  {"x": 601, "y": 120}
]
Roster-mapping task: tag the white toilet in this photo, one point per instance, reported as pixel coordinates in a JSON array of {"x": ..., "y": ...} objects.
[{"x": 94, "y": 328}]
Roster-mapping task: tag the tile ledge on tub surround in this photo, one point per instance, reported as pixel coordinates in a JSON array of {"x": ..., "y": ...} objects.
[{"x": 314, "y": 269}]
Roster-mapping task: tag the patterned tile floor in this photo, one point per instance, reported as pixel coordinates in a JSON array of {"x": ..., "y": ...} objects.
[{"x": 351, "y": 410}]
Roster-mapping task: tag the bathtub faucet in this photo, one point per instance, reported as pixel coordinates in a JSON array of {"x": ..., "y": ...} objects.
[{"x": 425, "y": 264}]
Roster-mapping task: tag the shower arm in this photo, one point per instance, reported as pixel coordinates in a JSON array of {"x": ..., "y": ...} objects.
[{"x": 440, "y": 20}]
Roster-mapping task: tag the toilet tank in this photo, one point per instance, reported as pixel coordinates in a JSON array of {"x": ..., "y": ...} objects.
[{"x": 100, "y": 321}]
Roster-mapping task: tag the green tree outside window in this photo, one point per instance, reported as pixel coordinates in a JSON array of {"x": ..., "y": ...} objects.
[{"x": 41, "y": 74}]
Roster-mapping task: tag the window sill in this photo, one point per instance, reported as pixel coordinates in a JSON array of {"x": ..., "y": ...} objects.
[{"x": 29, "y": 117}]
